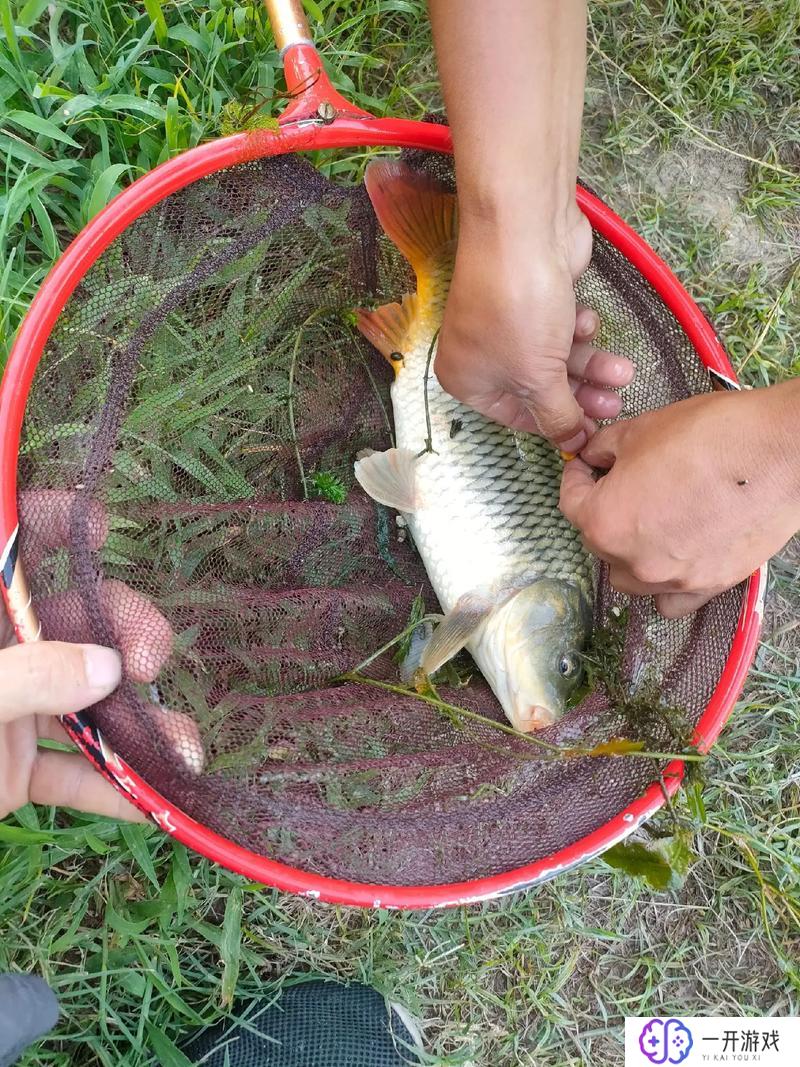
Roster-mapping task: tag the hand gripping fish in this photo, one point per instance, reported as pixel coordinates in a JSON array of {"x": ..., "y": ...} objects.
[{"x": 481, "y": 502}]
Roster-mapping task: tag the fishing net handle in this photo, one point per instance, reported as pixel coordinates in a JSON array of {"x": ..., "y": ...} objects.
[
  {"x": 289, "y": 23},
  {"x": 311, "y": 94}
]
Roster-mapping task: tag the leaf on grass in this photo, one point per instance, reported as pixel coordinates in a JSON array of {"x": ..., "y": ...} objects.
[
  {"x": 31, "y": 12},
  {"x": 315, "y": 11},
  {"x": 230, "y": 946},
  {"x": 189, "y": 36},
  {"x": 153, "y": 9},
  {"x": 49, "y": 239},
  {"x": 15, "y": 147},
  {"x": 167, "y": 1054},
  {"x": 662, "y": 865},
  {"x": 104, "y": 188},
  {"x": 18, "y": 835},
  {"x": 182, "y": 877},
  {"x": 36, "y": 124},
  {"x": 641, "y": 862},
  {"x": 135, "y": 839}
]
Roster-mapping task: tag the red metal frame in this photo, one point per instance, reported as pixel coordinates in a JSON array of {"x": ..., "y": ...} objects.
[{"x": 300, "y": 132}]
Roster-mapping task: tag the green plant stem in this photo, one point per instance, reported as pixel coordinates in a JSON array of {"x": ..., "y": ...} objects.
[{"x": 559, "y": 750}]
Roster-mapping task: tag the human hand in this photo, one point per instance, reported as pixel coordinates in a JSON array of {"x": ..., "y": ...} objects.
[
  {"x": 697, "y": 495},
  {"x": 513, "y": 344},
  {"x": 46, "y": 679},
  {"x": 41, "y": 681}
]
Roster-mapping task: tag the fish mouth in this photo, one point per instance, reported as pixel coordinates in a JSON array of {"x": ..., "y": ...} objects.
[{"x": 533, "y": 717}]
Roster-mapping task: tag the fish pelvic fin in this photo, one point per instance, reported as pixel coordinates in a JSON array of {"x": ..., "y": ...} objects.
[
  {"x": 390, "y": 478},
  {"x": 388, "y": 328},
  {"x": 455, "y": 630},
  {"x": 417, "y": 213}
]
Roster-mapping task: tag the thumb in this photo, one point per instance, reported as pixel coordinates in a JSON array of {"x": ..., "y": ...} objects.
[
  {"x": 577, "y": 485},
  {"x": 55, "y": 678},
  {"x": 601, "y": 451}
]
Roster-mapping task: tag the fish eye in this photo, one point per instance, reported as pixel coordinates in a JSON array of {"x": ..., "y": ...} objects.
[{"x": 569, "y": 665}]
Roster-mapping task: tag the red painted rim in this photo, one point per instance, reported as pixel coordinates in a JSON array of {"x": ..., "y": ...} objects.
[{"x": 351, "y": 132}]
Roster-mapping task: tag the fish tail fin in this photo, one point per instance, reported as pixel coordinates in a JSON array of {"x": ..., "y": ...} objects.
[{"x": 418, "y": 214}]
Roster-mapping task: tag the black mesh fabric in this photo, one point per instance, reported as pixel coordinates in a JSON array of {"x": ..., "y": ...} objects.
[
  {"x": 187, "y": 495},
  {"x": 314, "y": 1024}
]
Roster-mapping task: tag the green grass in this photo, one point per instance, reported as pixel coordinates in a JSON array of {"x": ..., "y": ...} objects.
[{"x": 693, "y": 133}]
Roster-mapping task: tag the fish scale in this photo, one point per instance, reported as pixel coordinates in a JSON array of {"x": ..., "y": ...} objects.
[{"x": 499, "y": 490}]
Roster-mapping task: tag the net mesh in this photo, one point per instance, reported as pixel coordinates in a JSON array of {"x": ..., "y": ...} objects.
[
  {"x": 187, "y": 496},
  {"x": 312, "y": 1024}
]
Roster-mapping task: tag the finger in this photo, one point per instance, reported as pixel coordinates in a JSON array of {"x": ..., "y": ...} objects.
[
  {"x": 577, "y": 486},
  {"x": 601, "y": 450},
  {"x": 183, "y": 735},
  {"x": 144, "y": 635},
  {"x": 555, "y": 409},
  {"x": 140, "y": 630},
  {"x": 70, "y": 781},
  {"x": 599, "y": 367},
  {"x": 597, "y": 403},
  {"x": 587, "y": 323},
  {"x": 50, "y": 728},
  {"x": 621, "y": 579},
  {"x": 44, "y": 519},
  {"x": 509, "y": 410},
  {"x": 54, "y": 678},
  {"x": 676, "y": 605}
]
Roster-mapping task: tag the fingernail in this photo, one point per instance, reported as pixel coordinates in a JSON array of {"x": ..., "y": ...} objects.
[
  {"x": 103, "y": 667},
  {"x": 574, "y": 444}
]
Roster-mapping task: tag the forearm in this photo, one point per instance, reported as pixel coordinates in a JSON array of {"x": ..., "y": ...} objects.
[{"x": 513, "y": 74}]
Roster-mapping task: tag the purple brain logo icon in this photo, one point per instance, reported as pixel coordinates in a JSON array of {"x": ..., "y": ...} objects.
[{"x": 665, "y": 1042}]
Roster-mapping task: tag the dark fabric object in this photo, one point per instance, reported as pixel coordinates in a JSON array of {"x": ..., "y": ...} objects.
[
  {"x": 28, "y": 1010},
  {"x": 315, "y": 1024}
]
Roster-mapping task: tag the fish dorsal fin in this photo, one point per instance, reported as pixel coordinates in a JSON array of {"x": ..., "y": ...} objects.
[
  {"x": 417, "y": 213},
  {"x": 388, "y": 328}
]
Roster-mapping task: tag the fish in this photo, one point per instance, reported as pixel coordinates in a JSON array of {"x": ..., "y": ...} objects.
[{"x": 480, "y": 500}]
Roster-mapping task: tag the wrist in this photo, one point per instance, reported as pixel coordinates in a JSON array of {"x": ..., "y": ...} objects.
[{"x": 546, "y": 239}]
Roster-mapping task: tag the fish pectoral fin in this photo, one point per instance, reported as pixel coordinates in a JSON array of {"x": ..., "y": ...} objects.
[
  {"x": 390, "y": 478},
  {"x": 387, "y": 328},
  {"x": 455, "y": 630},
  {"x": 420, "y": 638}
]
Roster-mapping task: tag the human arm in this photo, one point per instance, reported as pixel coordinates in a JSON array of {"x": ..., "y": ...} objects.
[
  {"x": 511, "y": 345},
  {"x": 697, "y": 495}
]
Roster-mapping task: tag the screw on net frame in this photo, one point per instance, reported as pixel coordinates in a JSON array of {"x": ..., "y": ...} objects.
[{"x": 185, "y": 378}]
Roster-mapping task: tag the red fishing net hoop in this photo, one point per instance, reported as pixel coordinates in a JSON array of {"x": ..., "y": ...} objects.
[{"x": 319, "y": 119}]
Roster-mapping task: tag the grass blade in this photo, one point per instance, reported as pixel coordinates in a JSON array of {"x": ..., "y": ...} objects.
[{"x": 231, "y": 946}]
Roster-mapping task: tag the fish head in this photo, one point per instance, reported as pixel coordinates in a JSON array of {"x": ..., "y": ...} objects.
[{"x": 536, "y": 643}]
